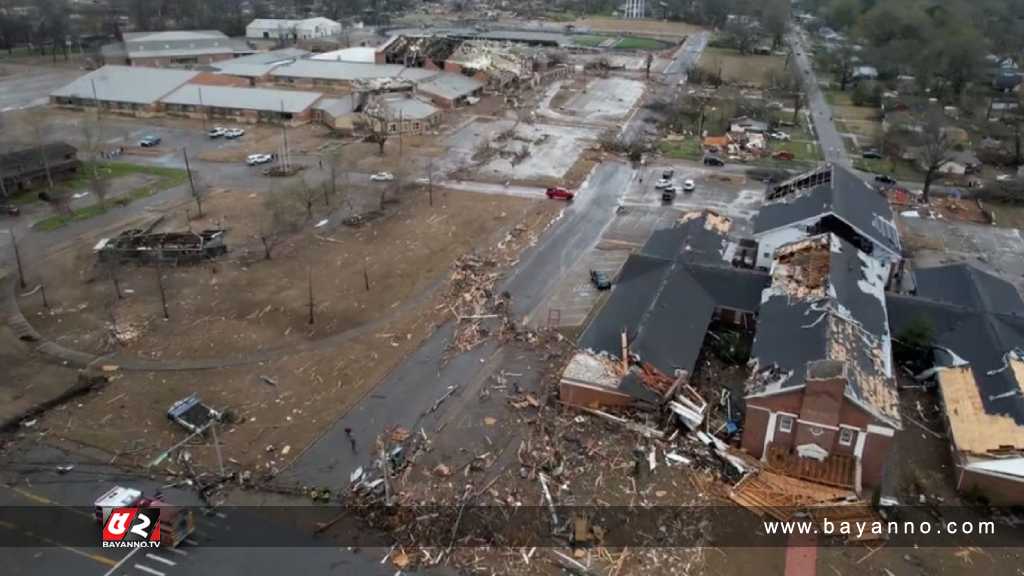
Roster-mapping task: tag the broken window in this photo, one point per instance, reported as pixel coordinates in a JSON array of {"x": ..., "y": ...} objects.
[
  {"x": 786, "y": 424},
  {"x": 845, "y": 436}
]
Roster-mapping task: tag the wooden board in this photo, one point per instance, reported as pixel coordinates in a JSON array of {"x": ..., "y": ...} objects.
[{"x": 974, "y": 430}]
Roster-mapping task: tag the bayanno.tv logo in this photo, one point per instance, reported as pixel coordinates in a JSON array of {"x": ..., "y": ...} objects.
[{"x": 131, "y": 528}]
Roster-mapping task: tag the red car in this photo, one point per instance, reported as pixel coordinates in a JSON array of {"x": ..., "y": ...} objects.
[{"x": 558, "y": 193}]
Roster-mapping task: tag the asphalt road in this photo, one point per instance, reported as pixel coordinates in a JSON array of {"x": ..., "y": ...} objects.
[
  {"x": 638, "y": 128},
  {"x": 406, "y": 396},
  {"x": 73, "y": 546},
  {"x": 828, "y": 137}
]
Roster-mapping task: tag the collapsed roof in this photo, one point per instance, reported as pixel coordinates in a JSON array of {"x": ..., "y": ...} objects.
[
  {"x": 977, "y": 328},
  {"x": 666, "y": 296},
  {"x": 826, "y": 302},
  {"x": 831, "y": 190}
]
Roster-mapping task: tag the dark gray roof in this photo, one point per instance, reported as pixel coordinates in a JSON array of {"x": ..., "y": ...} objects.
[
  {"x": 967, "y": 286},
  {"x": 844, "y": 319},
  {"x": 974, "y": 317},
  {"x": 665, "y": 301},
  {"x": 843, "y": 194},
  {"x": 690, "y": 240}
]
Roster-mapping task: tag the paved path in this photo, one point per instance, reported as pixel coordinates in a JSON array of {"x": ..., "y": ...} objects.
[{"x": 828, "y": 137}]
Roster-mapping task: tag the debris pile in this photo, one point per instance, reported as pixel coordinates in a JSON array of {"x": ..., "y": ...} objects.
[{"x": 472, "y": 300}]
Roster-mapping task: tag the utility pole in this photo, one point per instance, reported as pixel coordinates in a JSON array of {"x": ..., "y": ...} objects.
[
  {"x": 216, "y": 446},
  {"x": 309, "y": 279},
  {"x": 42, "y": 292},
  {"x": 430, "y": 181},
  {"x": 366, "y": 278},
  {"x": 17, "y": 258},
  {"x": 202, "y": 107},
  {"x": 160, "y": 282},
  {"x": 284, "y": 137},
  {"x": 192, "y": 183}
]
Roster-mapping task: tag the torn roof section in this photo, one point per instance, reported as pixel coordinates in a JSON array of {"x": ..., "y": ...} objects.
[
  {"x": 826, "y": 302},
  {"x": 975, "y": 319},
  {"x": 805, "y": 200},
  {"x": 666, "y": 296}
]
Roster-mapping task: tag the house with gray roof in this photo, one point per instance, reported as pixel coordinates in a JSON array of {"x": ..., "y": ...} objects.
[
  {"x": 975, "y": 322},
  {"x": 828, "y": 199},
  {"x": 135, "y": 90},
  {"x": 174, "y": 48}
]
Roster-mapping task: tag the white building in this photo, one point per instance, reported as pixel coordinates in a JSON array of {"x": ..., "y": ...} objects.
[{"x": 310, "y": 28}]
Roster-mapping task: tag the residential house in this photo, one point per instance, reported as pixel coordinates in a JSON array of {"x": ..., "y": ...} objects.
[
  {"x": 829, "y": 199},
  {"x": 174, "y": 48},
  {"x": 745, "y": 124},
  {"x": 960, "y": 163},
  {"x": 21, "y": 169},
  {"x": 978, "y": 339},
  {"x": 305, "y": 29},
  {"x": 822, "y": 402}
]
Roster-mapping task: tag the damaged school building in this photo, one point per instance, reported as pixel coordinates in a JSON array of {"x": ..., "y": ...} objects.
[{"x": 820, "y": 401}]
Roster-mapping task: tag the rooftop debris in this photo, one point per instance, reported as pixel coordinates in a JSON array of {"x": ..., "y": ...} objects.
[
  {"x": 801, "y": 269},
  {"x": 174, "y": 247},
  {"x": 471, "y": 298}
]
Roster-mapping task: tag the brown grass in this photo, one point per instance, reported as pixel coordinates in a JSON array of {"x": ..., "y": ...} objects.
[{"x": 751, "y": 69}]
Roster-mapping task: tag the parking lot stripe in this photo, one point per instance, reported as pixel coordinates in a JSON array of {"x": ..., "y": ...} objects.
[
  {"x": 191, "y": 541},
  {"x": 160, "y": 559},
  {"x": 177, "y": 551},
  {"x": 123, "y": 560},
  {"x": 150, "y": 570}
]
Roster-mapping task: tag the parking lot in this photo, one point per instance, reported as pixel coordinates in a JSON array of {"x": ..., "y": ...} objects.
[
  {"x": 937, "y": 242},
  {"x": 729, "y": 194}
]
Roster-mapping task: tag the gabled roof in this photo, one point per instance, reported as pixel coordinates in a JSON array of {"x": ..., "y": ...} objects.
[
  {"x": 826, "y": 302},
  {"x": 258, "y": 64},
  {"x": 830, "y": 190},
  {"x": 665, "y": 297},
  {"x": 977, "y": 320},
  {"x": 130, "y": 84}
]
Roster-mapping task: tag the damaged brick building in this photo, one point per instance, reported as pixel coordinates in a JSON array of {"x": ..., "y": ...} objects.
[{"x": 821, "y": 402}]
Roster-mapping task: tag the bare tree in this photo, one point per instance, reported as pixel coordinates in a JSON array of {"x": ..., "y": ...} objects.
[
  {"x": 92, "y": 143},
  {"x": 935, "y": 149},
  {"x": 743, "y": 34},
  {"x": 282, "y": 218},
  {"x": 377, "y": 123}
]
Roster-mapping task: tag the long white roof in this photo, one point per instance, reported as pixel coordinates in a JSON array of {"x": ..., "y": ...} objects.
[{"x": 129, "y": 84}]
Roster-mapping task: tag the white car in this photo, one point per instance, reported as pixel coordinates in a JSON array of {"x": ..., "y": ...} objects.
[
  {"x": 382, "y": 177},
  {"x": 423, "y": 181},
  {"x": 216, "y": 132},
  {"x": 777, "y": 135},
  {"x": 257, "y": 159},
  {"x": 689, "y": 185},
  {"x": 662, "y": 184},
  {"x": 233, "y": 133}
]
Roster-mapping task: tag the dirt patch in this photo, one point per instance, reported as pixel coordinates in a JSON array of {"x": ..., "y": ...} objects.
[
  {"x": 236, "y": 307},
  {"x": 745, "y": 70}
]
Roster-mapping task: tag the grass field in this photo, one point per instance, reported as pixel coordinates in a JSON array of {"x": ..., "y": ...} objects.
[
  {"x": 802, "y": 150},
  {"x": 638, "y": 43},
  {"x": 589, "y": 40},
  {"x": 609, "y": 24},
  {"x": 749, "y": 69},
  {"x": 166, "y": 178},
  {"x": 686, "y": 149},
  {"x": 897, "y": 169}
]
